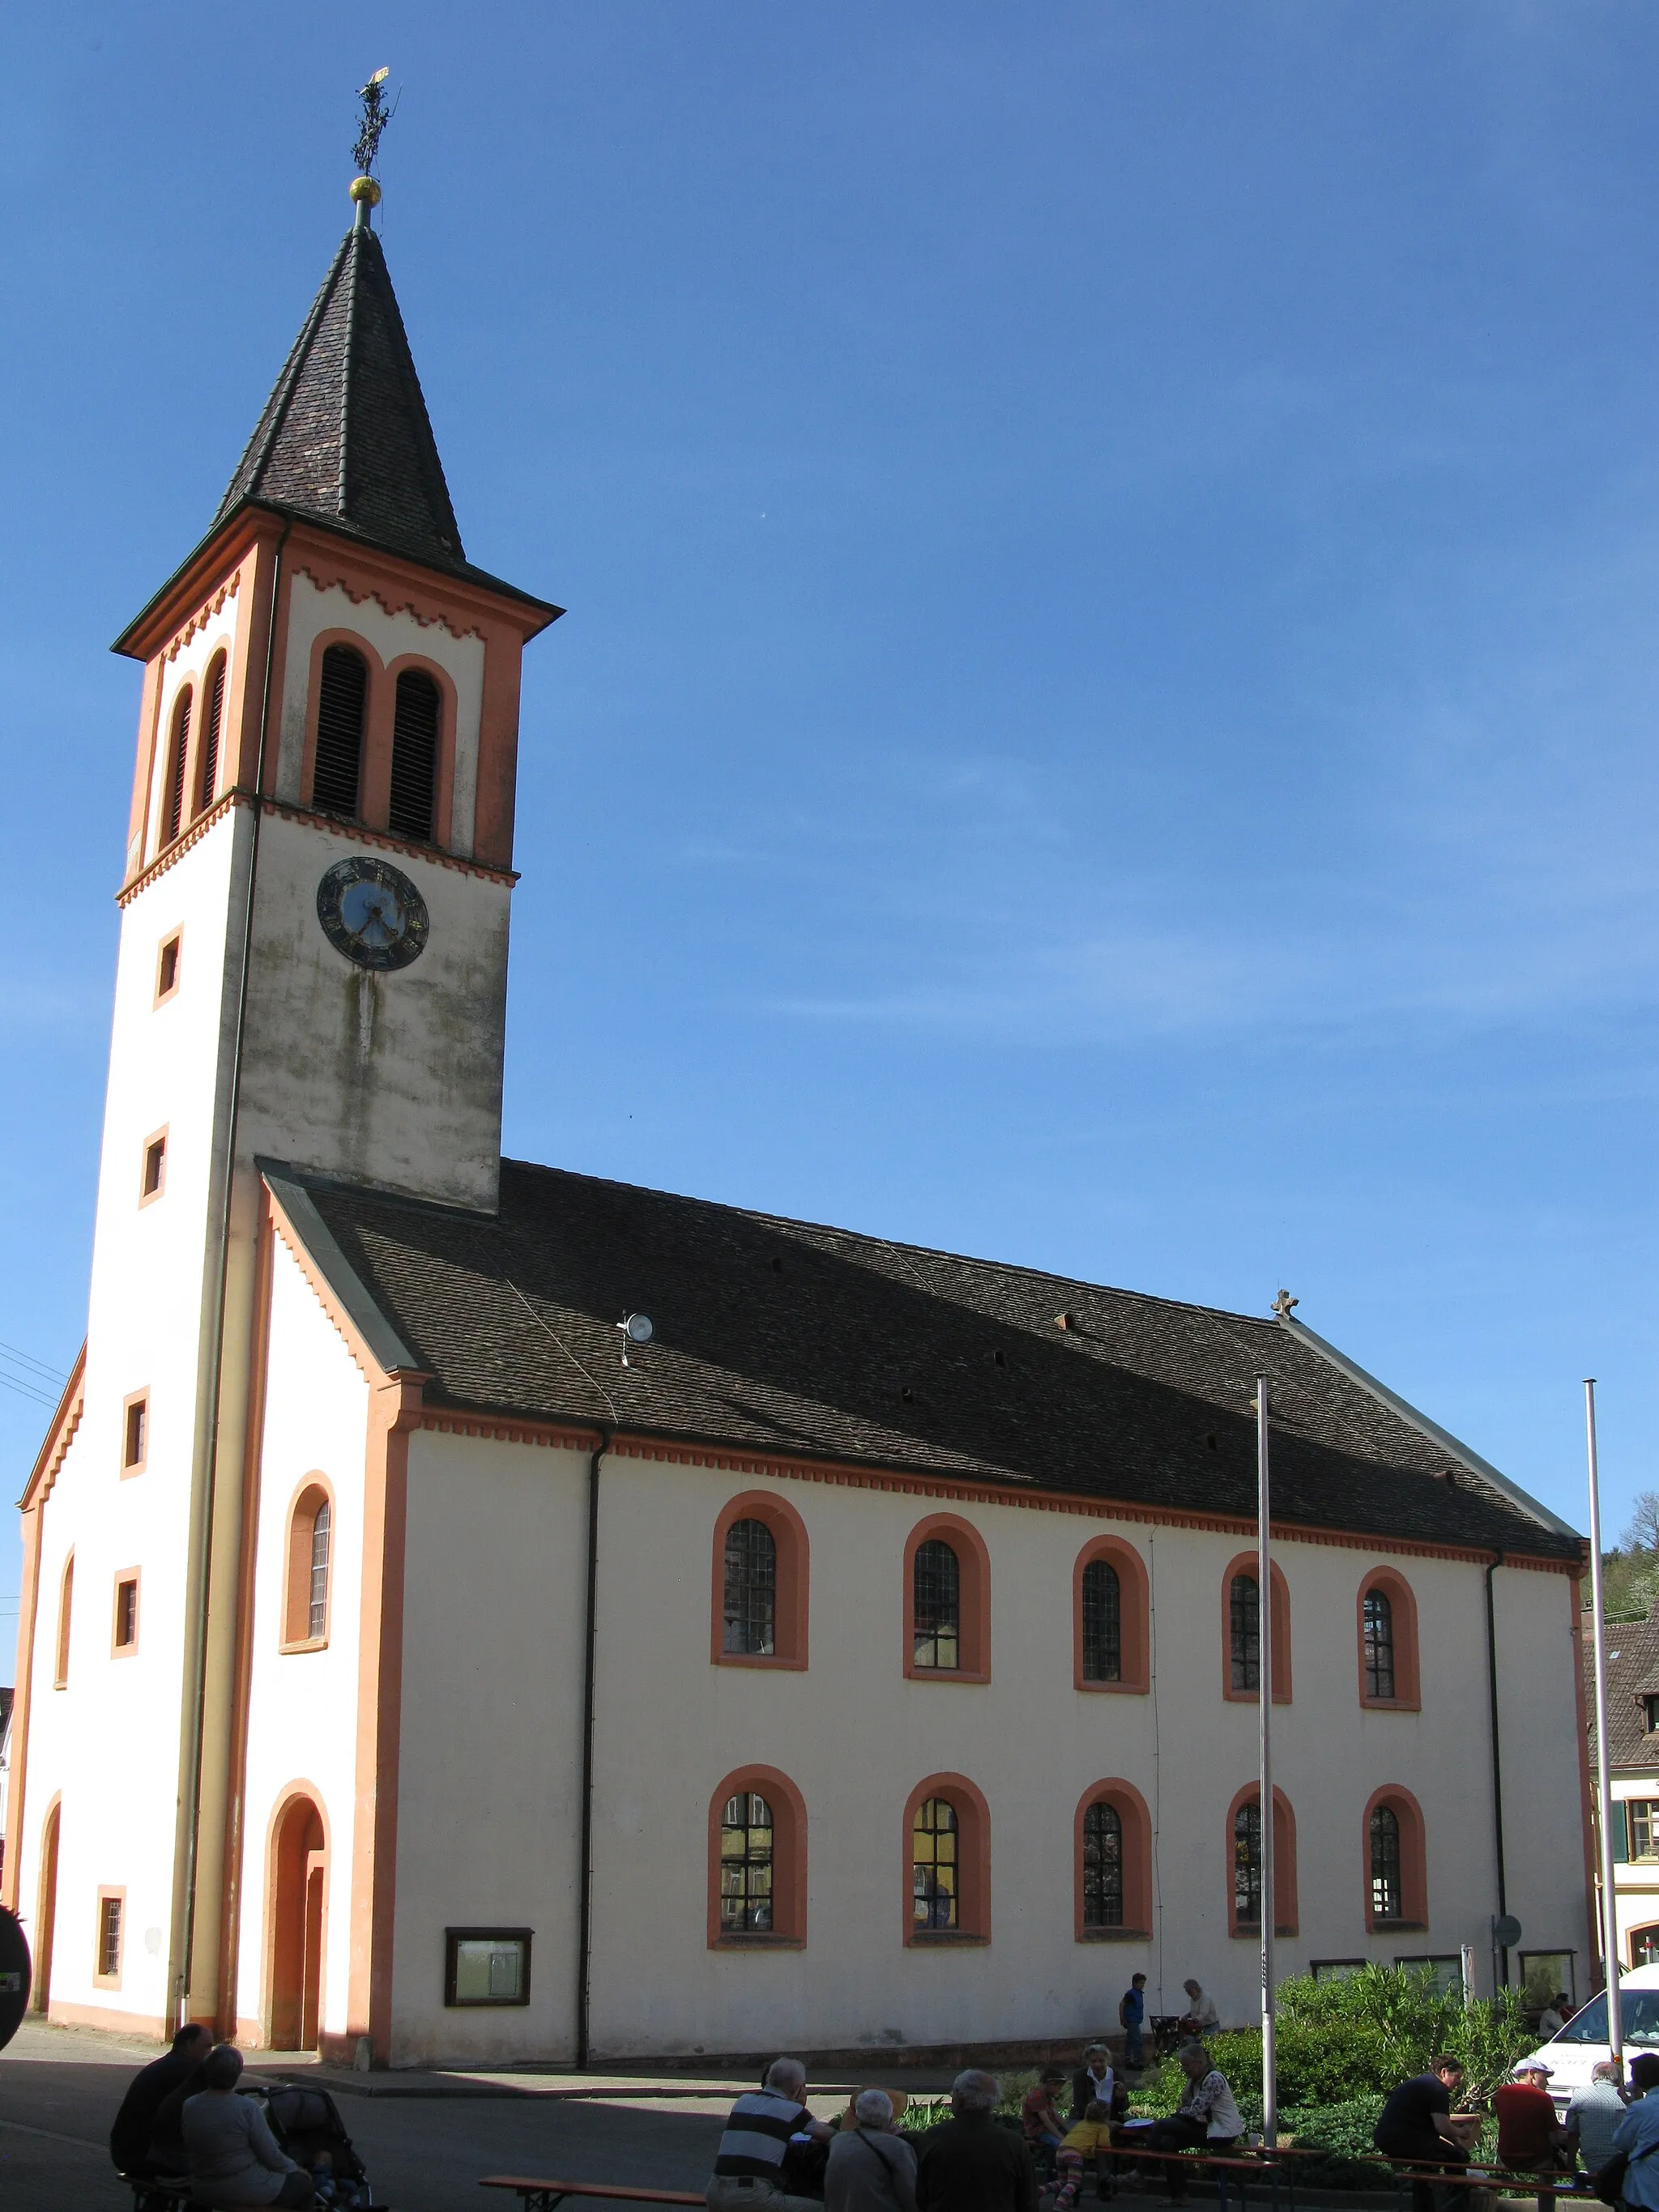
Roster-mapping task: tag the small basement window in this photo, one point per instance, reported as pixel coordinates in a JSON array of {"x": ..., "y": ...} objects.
[{"x": 487, "y": 1965}]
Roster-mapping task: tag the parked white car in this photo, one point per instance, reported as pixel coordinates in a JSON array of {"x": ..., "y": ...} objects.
[{"x": 1583, "y": 2041}]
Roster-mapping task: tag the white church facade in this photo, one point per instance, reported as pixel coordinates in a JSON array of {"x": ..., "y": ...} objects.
[{"x": 866, "y": 1659}]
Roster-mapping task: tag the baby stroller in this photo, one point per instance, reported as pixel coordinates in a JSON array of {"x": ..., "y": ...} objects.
[{"x": 306, "y": 2123}]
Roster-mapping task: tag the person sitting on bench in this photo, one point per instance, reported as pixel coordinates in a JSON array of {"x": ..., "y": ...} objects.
[
  {"x": 748, "y": 2174},
  {"x": 1529, "y": 2138},
  {"x": 1206, "y": 2114},
  {"x": 133, "y": 2131},
  {"x": 1092, "y": 2134},
  {"x": 1416, "y": 2124}
]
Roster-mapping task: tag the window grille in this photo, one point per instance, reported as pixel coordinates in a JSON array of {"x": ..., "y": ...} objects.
[
  {"x": 1247, "y": 1862},
  {"x": 1379, "y": 1644},
  {"x": 746, "y": 1866},
  {"x": 1102, "y": 1623},
  {"x": 317, "y": 1623},
  {"x": 935, "y": 1899},
  {"x": 177, "y": 767},
  {"x": 1387, "y": 1897},
  {"x": 1103, "y": 1867},
  {"x": 1642, "y": 1827},
  {"x": 751, "y": 1590},
  {"x": 109, "y": 1937},
  {"x": 1244, "y": 1608},
  {"x": 342, "y": 695},
  {"x": 937, "y": 1607},
  {"x": 414, "y": 755},
  {"x": 215, "y": 709}
]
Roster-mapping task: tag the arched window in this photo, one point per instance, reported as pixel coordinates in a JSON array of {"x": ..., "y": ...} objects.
[
  {"x": 1241, "y": 1622},
  {"x": 1244, "y": 1865},
  {"x": 1396, "y": 1865},
  {"x": 341, "y": 698},
  {"x": 177, "y": 766},
  {"x": 310, "y": 1549},
  {"x": 947, "y": 1601},
  {"x": 414, "y": 755},
  {"x": 947, "y": 1862},
  {"x": 208, "y": 775},
  {"x": 1387, "y": 1900},
  {"x": 1387, "y": 1642},
  {"x": 757, "y": 1861},
  {"x": 761, "y": 1576},
  {"x": 751, "y": 1611},
  {"x": 1102, "y": 1623},
  {"x": 938, "y": 1600},
  {"x": 1644, "y": 1946},
  {"x": 1102, "y": 1866},
  {"x": 65, "y": 1604},
  {"x": 1113, "y": 1847}
]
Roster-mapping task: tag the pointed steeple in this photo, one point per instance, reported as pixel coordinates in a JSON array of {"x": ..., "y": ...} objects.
[{"x": 344, "y": 438}]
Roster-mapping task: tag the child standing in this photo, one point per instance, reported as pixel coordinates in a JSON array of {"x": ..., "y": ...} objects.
[{"x": 1092, "y": 2134}]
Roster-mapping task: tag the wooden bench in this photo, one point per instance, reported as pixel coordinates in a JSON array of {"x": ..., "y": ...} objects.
[{"x": 539, "y": 2195}]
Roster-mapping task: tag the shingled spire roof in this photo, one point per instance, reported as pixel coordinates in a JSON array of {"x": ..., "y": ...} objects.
[{"x": 344, "y": 438}]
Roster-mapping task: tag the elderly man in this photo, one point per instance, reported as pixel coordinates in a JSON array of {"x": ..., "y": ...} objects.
[
  {"x": 1529, "y": 2138},
  {"x": 1637, "y": 2137},
  {"x": 748, "y": 2174},
  {"x": 971, "y": 2164},
  {"x": 1594, "y": 2113},
  {"x": 1200, "y": 2018},
  {"x": 1206, "y": 2114},
  {"x": 871, "y": 2169}
]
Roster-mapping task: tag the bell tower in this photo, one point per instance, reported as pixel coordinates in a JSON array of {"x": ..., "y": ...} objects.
[{"x": 312, "y": 969}]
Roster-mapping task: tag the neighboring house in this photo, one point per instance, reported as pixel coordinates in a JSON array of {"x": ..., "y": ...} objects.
[
  {"x": 1632, "y": 1777},
  {"x": 840, "y": 1664}
]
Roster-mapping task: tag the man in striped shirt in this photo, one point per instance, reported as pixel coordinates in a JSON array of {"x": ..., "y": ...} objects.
[{"x": 748, "y": 2174}]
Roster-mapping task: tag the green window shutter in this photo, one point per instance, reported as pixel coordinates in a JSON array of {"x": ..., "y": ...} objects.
[{"x": 1620, "y": 1834}]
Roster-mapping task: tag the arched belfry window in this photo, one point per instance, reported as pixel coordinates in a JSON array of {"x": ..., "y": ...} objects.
[
  {"x": 414, "y": 755},
  {"x": 207, "y": 777},
  {"x": 178, "y": 765},
  {"x": 342, "y": 699},
  {"x": 751, "y": 1590}
]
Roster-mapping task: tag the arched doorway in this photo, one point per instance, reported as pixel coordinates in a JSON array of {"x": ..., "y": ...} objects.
[
  {"x": 46, "y": 1918},
  {"x": 298, "y": 1877}
]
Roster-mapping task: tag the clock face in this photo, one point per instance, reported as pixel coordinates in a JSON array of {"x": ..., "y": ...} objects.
[{"x": 372, "y": 912}]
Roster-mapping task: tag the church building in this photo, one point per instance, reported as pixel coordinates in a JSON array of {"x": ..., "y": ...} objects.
[{"x": 475, "y": 1612}]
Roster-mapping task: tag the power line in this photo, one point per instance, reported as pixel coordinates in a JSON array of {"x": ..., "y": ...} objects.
[
  {"x": 41, "y": 1397},
  {"x": 28, "y": 1359}
]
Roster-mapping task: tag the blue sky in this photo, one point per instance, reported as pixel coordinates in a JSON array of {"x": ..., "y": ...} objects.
[{"x": 1106, "y": 713}]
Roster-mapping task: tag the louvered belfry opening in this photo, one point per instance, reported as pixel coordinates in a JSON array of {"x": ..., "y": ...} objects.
[
  {"x": 342, "y": 695},
  {"x": 177, "y": 767},
  {"x": 216, "y": 709},
  {"x": 414, "y": 755}
]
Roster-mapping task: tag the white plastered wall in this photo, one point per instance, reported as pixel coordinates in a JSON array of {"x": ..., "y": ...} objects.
[
  {"x": 491, "y": 1748},
  {"x": 314, "y": 608},
  {"x": 302, "y": 1705}
]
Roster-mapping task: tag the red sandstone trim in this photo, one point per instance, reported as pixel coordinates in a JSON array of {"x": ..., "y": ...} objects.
[
  {"x": 1135, "y": 1665},
  {"x": 1407, "y": 1681},
  {"x": 788, "y": 1533}
]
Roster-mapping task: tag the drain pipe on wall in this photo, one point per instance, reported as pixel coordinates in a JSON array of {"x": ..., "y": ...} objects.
[
  {"x": 1500, "y": 1956},
  {"x": 585, "y": 1880}
]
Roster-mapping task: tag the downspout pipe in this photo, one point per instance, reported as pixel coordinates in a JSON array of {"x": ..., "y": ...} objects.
[
  {"x": 585, "y": 1878},
  {"x": 1501, "y": 1952},
  {"x": 205, "y": 1575}
]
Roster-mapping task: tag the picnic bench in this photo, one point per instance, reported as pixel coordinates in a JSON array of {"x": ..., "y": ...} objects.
[{"x": 541, "y": 2195}]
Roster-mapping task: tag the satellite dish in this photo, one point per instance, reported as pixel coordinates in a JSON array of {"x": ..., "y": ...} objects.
[
  {"x": 638, "y": 1328},
  {"x": 15, "y": 1976},
  {"x": 1505, "y": 1931}
]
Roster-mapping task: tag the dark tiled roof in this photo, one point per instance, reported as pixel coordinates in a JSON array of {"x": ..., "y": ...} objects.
[
  {"x": 344, "y": 438},
  {"x": 780, "y": 1336},
  {"x": 1632, "y": 1674}
]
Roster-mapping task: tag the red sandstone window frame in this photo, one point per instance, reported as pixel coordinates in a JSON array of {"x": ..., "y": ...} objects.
[
  {"x": 109, "y": 1894},
  {"x": 127, "y": 1578},
  {"x": 1134, "y": 1641},
  {"x": 172, "y": 943},
  {"x": 60, "y": 1657},
  {"x": 793, "y": 1587},
  {"x": 300, "y": 1527},
  {"x": 1247, "y": 1563},
  {"x": 973, "y": 1864},
  {"x": 1402, "y": 1603},
  {"x": 134, "y": 1433},
  {"x": 1285, "y": 1906},
  {"x": 974, "y": 1587},
  {"x": 788, "y": 1808},
  {"x": 1136, "y": 1820},
  {"x": 1414, "y": 1860},
  {"x": 153, "y": 1150}
]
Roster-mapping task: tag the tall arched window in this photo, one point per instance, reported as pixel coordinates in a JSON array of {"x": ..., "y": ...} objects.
[
  {"x": 310, "y": 1552},
  {"x": 1241, "y": 1630},
  {"x": 1102, "y": 1623},
  {"x": 938, "y": 1602},
  {"x": 1245, "y": 1631},
  {"x": 341, "y": 698},
  {"x": 1388, "y": 1899},
  {"x": 746, "y": 1865},
  {"x": 1102, "y": 1866},
  {"x": 414, "y": 755},
  {"x": 207, "y": 776},
  {"x": 1379, "y": 1644},
  {"x": 65, "y": 1605},
  {"x": 177, "y": 765},
  {"x": 1244, "y": 1863},
  {"x": 935, "y": 1864},
  {"x": 751, "y": 1590}
]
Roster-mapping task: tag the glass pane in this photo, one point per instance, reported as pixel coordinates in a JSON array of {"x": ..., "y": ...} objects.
[
  {"x": 1246, "y": 1632},
  {"x": 751, "y": 1590},
  {"x": 1640, "y": 2011},
  {"x": 1379, "y": 1646},
  {"x": 489, "y": 1967},
  {"x": 937, "y": 1605},
  {"x": 1102, "y": 1868},
  {"x": 746, "y": 1865},
  {"x": 1103, "y": 1651},
  {"x": 1386, "y": 1897},
  {"x": 934, "y": 1872},
  {"x": 1247, "y": 1862}
]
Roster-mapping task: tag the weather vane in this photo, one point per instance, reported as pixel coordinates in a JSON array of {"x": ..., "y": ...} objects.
[{"x": 376, "y": 116}]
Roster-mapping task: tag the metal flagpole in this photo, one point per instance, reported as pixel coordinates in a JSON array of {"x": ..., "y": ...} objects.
[
  {"x": 1609, "y": 1901},
  {"x": 1264, "y": 1615}
]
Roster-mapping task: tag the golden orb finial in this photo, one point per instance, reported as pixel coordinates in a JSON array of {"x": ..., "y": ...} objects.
[{"x": 365, "y": 188}]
